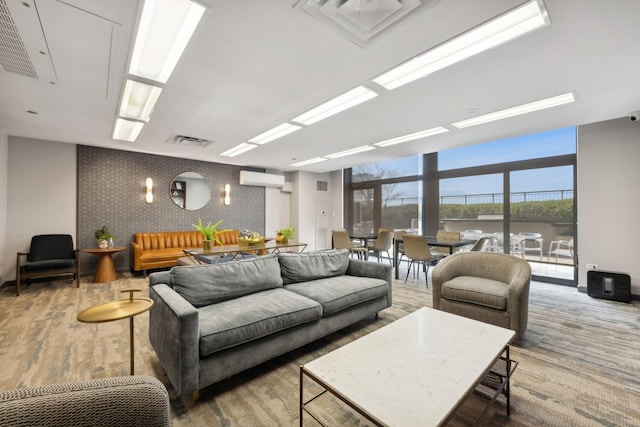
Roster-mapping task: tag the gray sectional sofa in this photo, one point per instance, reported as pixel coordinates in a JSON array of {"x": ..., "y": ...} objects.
[{"x": 209, "y": 322}]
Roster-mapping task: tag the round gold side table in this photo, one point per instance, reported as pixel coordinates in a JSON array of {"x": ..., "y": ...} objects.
[{"x": 116, "y": 310}]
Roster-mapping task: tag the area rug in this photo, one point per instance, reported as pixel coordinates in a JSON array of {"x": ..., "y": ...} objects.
[{"x": 579, "y": 361}]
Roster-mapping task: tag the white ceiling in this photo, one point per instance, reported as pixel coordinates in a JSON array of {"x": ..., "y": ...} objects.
[{"x": 254, "y": 64}]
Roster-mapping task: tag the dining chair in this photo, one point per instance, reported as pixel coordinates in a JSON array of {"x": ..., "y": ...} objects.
[
  {"x": 397, "y": 235},
  {"x": 341, "y": 240},
  {"x": 445, "y": 236},
  {"x": 417, "y": 251},
  {"x": 383, "y": 243},
  {"x": 482, "y": 245}
]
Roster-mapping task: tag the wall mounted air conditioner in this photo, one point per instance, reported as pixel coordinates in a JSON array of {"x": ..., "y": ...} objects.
[{"x": 261, "y": 179}]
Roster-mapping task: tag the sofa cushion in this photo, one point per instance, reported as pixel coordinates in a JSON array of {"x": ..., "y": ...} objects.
[
  {"x": 340, "y": 292},
  {"x": 238, "y": 321},
  {"x": 208, "y": 284},
  {"x": 476, "y": 290},
  {"x": 153, "y": 255},
  {"x": 313, "y": 265}
]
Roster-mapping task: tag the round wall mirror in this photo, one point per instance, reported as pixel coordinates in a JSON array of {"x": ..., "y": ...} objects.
[{"x": 190, "y": 191}]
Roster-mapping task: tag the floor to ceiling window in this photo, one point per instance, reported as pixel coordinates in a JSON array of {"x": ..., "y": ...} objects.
[{"x": 464, "y": 190}]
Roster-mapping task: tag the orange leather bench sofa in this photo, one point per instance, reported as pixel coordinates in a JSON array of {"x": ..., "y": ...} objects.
[{"x": 162, "y": 249}]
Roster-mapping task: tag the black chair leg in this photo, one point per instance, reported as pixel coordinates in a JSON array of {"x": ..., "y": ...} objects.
[{"x": 408, "y": 270}]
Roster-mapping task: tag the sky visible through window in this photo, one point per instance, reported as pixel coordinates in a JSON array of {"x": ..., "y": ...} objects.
[{"x": 545, "y": 144}]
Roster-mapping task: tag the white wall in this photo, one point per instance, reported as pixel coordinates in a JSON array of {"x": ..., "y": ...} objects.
[
  {"x": 311, "y": 210},
  {"x": 4, "y": 179},
  {"x": 276, "y": 212},
  {"x": 336, "y": 190},
  {"x": 41, "y": 195},
  {"x": 609, "y": 199}
]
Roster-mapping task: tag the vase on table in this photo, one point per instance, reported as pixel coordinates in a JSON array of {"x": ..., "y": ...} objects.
[
  {"x": 103, "y": 244},
  {"x": 207, "y": 245}
]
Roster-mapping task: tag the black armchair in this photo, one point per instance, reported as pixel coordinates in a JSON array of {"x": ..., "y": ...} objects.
[{"x": 50, "y": 255}]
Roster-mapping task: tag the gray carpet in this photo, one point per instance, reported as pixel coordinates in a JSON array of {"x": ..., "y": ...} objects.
[{"x": 579, "y": 360}]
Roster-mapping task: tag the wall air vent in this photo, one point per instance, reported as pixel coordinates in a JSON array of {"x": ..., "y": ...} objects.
[
  {"x": 322, "y": 186},
  {"x": 188, "y": 141},
  {"x": 14, "y": 57}
]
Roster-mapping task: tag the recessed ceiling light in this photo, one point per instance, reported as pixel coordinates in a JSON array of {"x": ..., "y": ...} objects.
[
  {"x": 127, "y": 130},
  {"x": 554, "y": 101},
  {"x": 506, "y": 27},
  {"x": 308, "y": 162},
  {"x": 274, "y": 133},
  {"x": 238, "y": 149},
  {"x": 412, "y": 136},
  {"x": 164, "y": 30},
  {"x": 349, "y": 99},
  {"x": 138, "y": 100},
  {"x": 350, "y": 152}
]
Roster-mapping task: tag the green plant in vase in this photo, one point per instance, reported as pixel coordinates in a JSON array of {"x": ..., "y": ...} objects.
[
  {"x": 285, "y": 234},
  {"x": 104, "y": 237},
  {"x": 209, "y": 232}
]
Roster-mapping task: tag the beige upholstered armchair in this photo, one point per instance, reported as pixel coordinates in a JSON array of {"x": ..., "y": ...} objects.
[
  {"x": 133, "y": 401},
  {"x": 485, "y": 286}
]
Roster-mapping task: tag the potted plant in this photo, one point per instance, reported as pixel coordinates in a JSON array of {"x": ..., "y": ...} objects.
[
  {"x": 209, "y": 232},
  {"x": 285, "y": 234},
  {"x": 104, "y": 237}
]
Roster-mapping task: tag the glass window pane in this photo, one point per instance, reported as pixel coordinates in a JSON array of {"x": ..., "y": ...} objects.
[
  {"x": 363, "y": 211},
  {"x": 473, "y": 205},
  {"x": 402, "y": 205},
  {"x": 546, "y": 144},
  {"x": 408, "y": 166}
]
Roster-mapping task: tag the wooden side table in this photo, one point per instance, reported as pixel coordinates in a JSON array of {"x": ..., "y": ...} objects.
[
  {"x": 106, "y": 271},
  {"x": 116, "y": 310}
]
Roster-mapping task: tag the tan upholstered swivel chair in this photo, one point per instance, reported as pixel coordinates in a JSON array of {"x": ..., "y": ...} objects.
[
  {"x": 485, "y": 286},
  {"x": 134, "y": 400}
]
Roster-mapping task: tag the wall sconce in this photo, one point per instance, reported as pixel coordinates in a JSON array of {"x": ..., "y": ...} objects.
[
  {"x": 149, "y": 196},
  {"x": 227, "y": 196}
]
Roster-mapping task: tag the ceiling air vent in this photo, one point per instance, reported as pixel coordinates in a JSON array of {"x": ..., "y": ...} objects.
[
  {"x": 361, "y": 21},
  {"x": 188, "y": 141},
  {"x": 13, "y": 54}
]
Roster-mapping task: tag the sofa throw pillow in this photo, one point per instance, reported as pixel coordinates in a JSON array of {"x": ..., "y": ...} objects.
[
  {"x": 303, "y": 267},
  {"x": 208, "y": 284}
]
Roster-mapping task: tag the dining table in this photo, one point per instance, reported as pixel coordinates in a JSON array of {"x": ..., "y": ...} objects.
[{"x": 431, "y": 241}]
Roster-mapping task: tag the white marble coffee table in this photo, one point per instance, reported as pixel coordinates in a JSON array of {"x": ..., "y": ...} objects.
[{"x": 412, "y": 372}]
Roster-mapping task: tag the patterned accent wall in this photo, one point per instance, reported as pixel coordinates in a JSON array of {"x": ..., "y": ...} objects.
[{"x": 111, "y": 192}]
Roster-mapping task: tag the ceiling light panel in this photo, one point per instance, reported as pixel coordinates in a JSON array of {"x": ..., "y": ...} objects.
[
  {"x": 518, "y": 110},
  {"x": 275, "y": 133},
  {"x": 127, "y": 130},
  {"x": 163, "y": 33},
  {"x": 412, "y": 136},
  {"x": 308, "y": 162},
  {"x": 340, "y": 103},
  {"x": 238, "y": 149},
  {"x": 515, "y": 23},
  {"x": 350, "y": 152},
  {"x": 138, "y": 100}
]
